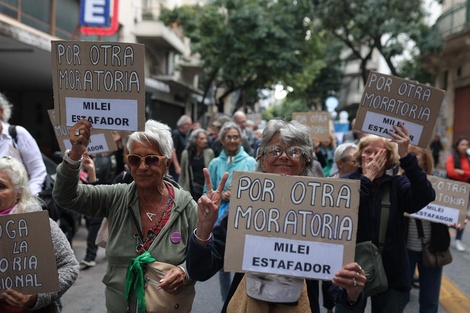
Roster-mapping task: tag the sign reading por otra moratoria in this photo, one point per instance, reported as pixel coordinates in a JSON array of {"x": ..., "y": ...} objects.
[
  {"x": 450, "y": 206},
  {"x": 102, "y": 82},
  {"x": 388, "y": 100},
  {"x": 291, "y": 225}
]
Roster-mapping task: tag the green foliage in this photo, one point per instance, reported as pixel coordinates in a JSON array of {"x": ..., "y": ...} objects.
[
  {"x": 328, "y": 80},
  {"x": 364, "y": 25},
  {"x": 285, "y": 109},
  {"x": 413, "y": 69},
  {"x": 429, "y": 41},
  {"x": 250, "y": 44}
]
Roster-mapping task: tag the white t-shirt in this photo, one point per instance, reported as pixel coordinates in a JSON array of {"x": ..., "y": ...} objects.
[{"x": 27, "y": 151}]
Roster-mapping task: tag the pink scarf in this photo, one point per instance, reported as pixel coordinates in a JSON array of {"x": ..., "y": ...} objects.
[{"x": 8, "y": 211}]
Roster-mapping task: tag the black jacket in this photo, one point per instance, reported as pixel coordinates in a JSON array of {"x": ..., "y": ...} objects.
[{"x": 408, "y": 193}]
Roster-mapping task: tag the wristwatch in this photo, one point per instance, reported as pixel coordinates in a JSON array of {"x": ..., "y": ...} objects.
[{"x": 70, "y": 161}]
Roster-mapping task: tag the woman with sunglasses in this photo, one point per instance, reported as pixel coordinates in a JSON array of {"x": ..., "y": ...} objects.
[
  {"x": 285, "y": 149},
  {"x": 164, "y": 213}
]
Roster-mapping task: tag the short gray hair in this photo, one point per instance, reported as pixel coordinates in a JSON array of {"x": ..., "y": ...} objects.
[
  {"x": 184, "y": 119},
  {"x": 155, "y": 132},
  {"x": 6, "y": 106},
  {"x": 342, "y": 149},
  {"x": 193, "y": 136},
  {"x": 228, "y": 126},
  {"x": 290, "y": 133}
]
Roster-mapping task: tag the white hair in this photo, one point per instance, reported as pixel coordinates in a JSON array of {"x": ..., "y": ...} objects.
[{"x": 155, "y": 132}]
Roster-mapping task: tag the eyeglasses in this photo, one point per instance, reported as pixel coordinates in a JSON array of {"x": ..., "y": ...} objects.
[
  {"x": 230, "y": 138},
  {"x": 134, "y": 160},
  {"x": 293, "y": 152}
]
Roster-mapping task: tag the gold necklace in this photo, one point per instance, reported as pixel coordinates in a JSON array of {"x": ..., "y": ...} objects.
[{"x": 151, "y": 215}]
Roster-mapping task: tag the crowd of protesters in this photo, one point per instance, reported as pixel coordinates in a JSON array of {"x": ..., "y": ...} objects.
[{"x": 176, "y": 179}]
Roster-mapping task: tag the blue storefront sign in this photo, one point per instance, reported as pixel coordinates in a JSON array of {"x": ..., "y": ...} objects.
[{"x": 95, "y": 13}]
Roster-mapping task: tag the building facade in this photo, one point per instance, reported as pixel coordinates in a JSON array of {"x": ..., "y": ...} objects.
[
  {"x": 27, "y": 28},
  {"x": 452, "y": 69}
]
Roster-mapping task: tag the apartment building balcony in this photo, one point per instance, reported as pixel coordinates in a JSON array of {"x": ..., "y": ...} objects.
[
  {"x": 156, "y": 35},
  {"x": 454, "y": 20}
]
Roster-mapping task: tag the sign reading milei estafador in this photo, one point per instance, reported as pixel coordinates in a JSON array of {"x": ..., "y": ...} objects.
[{"x": 291, "y": 225}]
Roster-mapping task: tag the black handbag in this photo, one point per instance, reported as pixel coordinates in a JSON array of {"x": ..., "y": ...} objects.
[
  {"x": 369, "y": 256},
  {"x": 431, "y": 256}
]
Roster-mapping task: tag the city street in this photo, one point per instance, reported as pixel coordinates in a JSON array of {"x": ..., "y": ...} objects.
[{"x": 87, "y": 294}]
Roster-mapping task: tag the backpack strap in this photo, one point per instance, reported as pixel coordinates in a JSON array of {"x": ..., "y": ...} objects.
[
  {"x": 13, "y": 134},
  {"x": 384, "y": 215},
  {"x": 419, "y": 227}
]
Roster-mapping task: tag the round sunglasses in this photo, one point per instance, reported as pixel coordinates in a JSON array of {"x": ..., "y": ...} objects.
[{"x": 134, "y": 160}]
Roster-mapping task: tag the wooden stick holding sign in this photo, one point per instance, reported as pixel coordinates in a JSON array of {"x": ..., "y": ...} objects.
[
  {"x": 389, "y": 100},
  {"x": 291, "y": 225}
]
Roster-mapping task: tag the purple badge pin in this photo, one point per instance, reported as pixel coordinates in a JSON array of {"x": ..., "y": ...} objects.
[{"x": 176, "y": 237}]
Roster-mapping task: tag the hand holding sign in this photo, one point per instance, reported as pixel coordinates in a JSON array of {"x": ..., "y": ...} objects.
[
  {"x": 352, "y": 278},
  {"x": 79, "y": 135},
  {"x": 402, "y": 138},
  {"x": 208, "y": 208},
  {"x": 19, "y": 300}
]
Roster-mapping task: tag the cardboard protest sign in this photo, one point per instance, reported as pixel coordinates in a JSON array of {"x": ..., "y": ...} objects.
[
  {"x": 100, "y": 141},
  {"x": 291, "y": 225},
  {"x": 319, "y": 123},
  {"x": 27, "y": 261},
  {"x": 450, "y": 206},
  {"x": 102, "y": 82},
  {"x": 389, "y": 100}
]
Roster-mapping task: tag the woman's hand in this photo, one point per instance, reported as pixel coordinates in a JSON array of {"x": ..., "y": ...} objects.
[
  {"x": 208, "y": 208},
  {"x": 79, "y": 136},
  {"x": 89, "y": 165},
  {"x": 352, "y": 278},
  {"x": 17, "y": 299},
  {"x": 375, "y": 167},
  {"x": 402, "y": 138},
  {"x": 459, "y": 226},
  {"x": 173, "y": 281},
  {"x": 226, "y": 194}
]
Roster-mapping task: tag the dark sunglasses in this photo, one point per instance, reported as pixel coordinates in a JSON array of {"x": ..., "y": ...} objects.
[{"x": 134, "y": 160}]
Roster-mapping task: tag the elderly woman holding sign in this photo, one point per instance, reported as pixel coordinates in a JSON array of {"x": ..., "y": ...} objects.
[
  {"x": 149, "y": 221},
  {"x": 407, "y": 193},
  {"x": 15, "y": 197},
  {"x": 285, "y": 149}
]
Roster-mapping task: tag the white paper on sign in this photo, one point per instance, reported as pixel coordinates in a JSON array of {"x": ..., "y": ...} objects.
[
  {"x": 438, "y": 214},
  {"x": 112, "y": 114},
  {"x": 97, "y": 144},
  {"x": 378, "y": 124},
  {"x": 308, "y": 259}
]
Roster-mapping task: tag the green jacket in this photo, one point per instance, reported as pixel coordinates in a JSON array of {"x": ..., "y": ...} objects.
[{"x": 112, "y": 201}]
